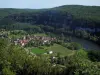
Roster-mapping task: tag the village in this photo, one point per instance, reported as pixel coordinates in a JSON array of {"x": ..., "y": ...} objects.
[
  {"x": 26, "y": 39},
  {"x": 30, "y": 41}
]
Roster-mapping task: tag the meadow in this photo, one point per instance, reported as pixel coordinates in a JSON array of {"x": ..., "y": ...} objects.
[
  {"x": 60, "y": 49},
  {"x": 56, "y": 48},
  {"x": 38, "y": 51}
]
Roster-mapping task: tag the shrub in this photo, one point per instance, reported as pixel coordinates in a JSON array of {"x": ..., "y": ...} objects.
[
  {"x": 7, "y": 71},
  {"x": 74, "y": 46},
  {"x": 94, "y": 55}
]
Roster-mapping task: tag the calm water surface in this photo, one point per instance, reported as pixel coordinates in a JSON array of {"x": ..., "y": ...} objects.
[{"x": 86, "y": 44}]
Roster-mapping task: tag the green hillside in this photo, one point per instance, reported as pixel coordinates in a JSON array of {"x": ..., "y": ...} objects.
[
  {"x": 10, "y": 11},
  {"x": 78, "y": 11}
]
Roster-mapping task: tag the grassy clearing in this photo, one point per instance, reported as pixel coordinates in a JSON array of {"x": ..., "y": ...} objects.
[
  {"x": 16, "y": 36},
  {"x": 55, "y": 48},
  {"x": 60, "y": 49},
  {"x": 40, "y": 34},
  {"x": 38, "y": 51}
]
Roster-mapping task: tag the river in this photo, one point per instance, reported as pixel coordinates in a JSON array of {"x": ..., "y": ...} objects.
[{"x": 88, "y": 45}]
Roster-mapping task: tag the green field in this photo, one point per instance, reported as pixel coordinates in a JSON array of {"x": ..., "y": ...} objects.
[
  {"x": 40, "y": 34},
  {"x": 38, "y": 51},
  {"x": 60, "y": 49},
  {"x": 55, "y": 48}
]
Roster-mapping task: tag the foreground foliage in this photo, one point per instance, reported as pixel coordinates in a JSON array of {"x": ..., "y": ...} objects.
[{"x": 15, "y": 60}]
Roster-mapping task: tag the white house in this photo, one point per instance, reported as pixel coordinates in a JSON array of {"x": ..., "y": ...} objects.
[{"x": 50, "y": 52}]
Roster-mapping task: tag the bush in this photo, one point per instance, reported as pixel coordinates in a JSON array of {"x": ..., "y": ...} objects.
[
  {"x": 74, "y": 46},
  {"x": 41, "y": 47},
  {"x": 94, "y": 55},
  {"x": 7, "y": 71}
]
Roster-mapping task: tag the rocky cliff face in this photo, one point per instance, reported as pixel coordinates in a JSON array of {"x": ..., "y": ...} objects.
[{"x": 52, "y": 18}]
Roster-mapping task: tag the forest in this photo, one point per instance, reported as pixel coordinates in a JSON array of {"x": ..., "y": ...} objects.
[
  {"x": 39, "y": 41},
  {"x": 14, "y": 60}
]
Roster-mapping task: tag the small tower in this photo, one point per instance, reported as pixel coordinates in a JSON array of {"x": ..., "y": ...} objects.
[{"x": 24, "y": 38}]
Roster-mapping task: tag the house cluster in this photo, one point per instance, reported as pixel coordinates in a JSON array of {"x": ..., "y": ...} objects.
[
  {"x": 23, "y": 41},
  {"x": 44, "y": 39}
]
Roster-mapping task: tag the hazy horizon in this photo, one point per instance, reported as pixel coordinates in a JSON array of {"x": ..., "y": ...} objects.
[{"x": 36, "y": 4}]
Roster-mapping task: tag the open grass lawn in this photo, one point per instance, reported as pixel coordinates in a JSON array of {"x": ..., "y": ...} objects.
[
  {"x": 38, "y": 51},
  {"x": 40, "y": 34},
  {"x": 16, "y": 36},
  {"x": 60, "y": 49},
  {"x": 55, "y": 48}
]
